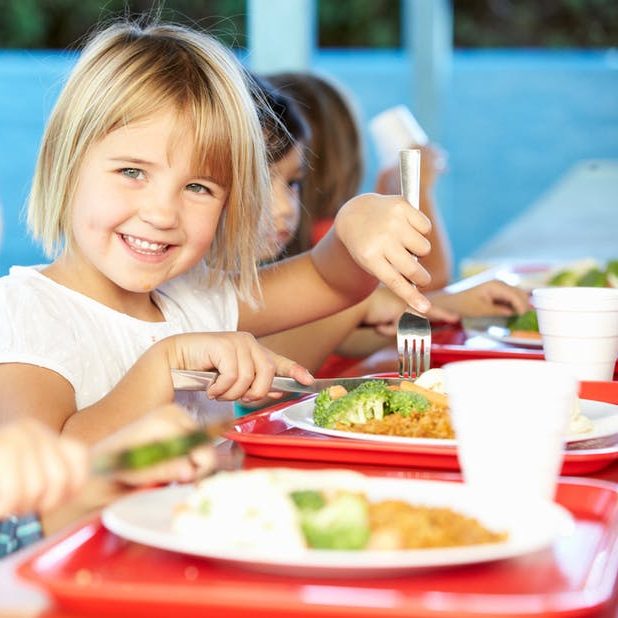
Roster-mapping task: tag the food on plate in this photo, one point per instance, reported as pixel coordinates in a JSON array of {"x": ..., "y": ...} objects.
[
  {"x": 408, "y": 410},
  {"x": 525, "y": 325},
  {"x": 579, "y": 422},
  {"x": 416, "y": 409},
  {"x": 282, "y": 510},
  {"x": 585, "y": 273}
]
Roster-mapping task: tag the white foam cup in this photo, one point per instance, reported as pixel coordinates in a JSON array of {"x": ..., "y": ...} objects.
[
  {"x": 579, "y": 327},
  {"x": 510, "y": 418}
]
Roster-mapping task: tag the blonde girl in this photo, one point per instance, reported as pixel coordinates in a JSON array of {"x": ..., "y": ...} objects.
[{"x": 151, "y": 196}]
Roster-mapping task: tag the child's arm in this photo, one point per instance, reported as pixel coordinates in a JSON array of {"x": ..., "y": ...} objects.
[
  {"x": 374, "y": 237},
  {"x": 486, "y": 299},
  {"x": 311, "y": 343},
  {"x": 246, "y": 369}
]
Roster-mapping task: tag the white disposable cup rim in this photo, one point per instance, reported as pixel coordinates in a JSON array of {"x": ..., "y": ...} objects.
[{"x": 570, "y": 299}]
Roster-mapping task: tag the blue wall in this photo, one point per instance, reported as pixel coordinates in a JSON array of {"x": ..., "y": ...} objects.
[{"x": 513, "y": 123}]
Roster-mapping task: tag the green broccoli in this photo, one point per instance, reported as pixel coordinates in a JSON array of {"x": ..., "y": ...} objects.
[
  {"x": 308, "y": 500},
  {"x": 593, "y": 278},
  {"x": 321, "y": 408},
  {"x": 342, "y": 523},
  {"x": 563, "y": 278},
  {"x": 360, "y": 405},
  {"x": 525, "y": 321},
  {"x": 404, "y": 402}
]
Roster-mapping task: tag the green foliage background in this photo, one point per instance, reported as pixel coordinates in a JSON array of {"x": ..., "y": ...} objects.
[{"x": 342, "y": 23}]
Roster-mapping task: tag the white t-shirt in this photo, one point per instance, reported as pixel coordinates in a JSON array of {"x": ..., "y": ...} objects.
[{"x": 46, "y": 324}]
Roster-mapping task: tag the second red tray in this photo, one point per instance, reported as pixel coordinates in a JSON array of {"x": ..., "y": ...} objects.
[
  {"x": 92, "y": 572},
  {"x": 267, "y": 434}
]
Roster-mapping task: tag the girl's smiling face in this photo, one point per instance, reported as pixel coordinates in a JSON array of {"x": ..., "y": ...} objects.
[{"x": 140, "y": 214}]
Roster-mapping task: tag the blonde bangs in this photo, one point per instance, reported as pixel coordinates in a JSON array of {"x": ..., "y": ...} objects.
[{"x": 127, "y": 73}]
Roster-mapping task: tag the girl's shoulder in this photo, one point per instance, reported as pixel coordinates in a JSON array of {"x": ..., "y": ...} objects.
[
  {"x": 26, "y": 287},
  {"x": 33, "y": 303},
  {"x": 25, "y": 282}
]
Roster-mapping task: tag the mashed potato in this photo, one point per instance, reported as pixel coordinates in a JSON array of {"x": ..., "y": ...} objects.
[{"x": 253, "y": 510}]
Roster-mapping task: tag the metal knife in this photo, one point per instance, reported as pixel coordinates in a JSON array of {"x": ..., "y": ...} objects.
[{"x": 185, "y": 380}]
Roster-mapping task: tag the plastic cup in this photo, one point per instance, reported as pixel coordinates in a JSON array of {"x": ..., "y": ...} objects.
[
  {"x": 510, "y": 419},
  {"x": 393, "y": 130},
  {"x": 579, "y": 327}
]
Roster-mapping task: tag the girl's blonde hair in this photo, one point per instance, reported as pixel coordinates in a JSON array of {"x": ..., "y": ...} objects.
[
  {"x": 334, "y": 154},
  {"x": 128, "y": 72}
]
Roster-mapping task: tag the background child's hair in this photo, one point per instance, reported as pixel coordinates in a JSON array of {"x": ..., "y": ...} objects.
[
  {"x": 283, "y": 124},
  {"x": 334, "y": 155},
  {"x": 128, "y": 72}
]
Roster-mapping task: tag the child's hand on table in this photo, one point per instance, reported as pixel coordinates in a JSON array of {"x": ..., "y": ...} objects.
[{"x": 491, "y": 298}]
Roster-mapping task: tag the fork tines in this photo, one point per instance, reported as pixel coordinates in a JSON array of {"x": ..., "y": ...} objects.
[{"x": 413, "y": 345}]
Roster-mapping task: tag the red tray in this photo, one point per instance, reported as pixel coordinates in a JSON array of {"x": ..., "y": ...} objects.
[
  {"x": 267, "y": 434},
  {"x": 92, "y": 572}
]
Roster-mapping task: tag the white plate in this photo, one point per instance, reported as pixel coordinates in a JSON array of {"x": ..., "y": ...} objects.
[
  {"x": 145, "y": 517},
  {"x": 604, "y": 417},
  {"x": 495, "y": 329}
]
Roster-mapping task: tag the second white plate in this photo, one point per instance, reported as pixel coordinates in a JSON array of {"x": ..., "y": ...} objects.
[
  {"x": 604, "y": 417},
  {"x": 146, "y": 517}
]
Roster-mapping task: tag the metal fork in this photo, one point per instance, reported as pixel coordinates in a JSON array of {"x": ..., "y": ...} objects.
[
  {"x": 413, "y": 344},
  {"x": 413, "y": 331}
]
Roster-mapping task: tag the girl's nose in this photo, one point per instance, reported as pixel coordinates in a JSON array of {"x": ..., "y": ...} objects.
[{"x": 160, "y": 211}]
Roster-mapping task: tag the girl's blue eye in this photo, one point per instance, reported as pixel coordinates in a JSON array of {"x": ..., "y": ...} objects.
[
  {"x": 131, "y": 172},
  {"x": 296, "y": 184},
  {"x": 198, "y": 188}
]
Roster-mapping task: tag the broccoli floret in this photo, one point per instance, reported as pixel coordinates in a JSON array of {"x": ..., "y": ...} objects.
[
  {"x": 525, "y": 321},
  {"x": 405, "y": 402},
  {"x": 308, "y": 500},
  {"x": 563, "y": 278},
  {"x": 360, "y": 405},
  {"x": 321, "y": 412},
  {"x": 594, "y": 278},
  {"x": 343, "y": 523}
]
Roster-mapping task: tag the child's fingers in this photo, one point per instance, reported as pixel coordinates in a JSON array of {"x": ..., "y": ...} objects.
[
  {"x": 237, "y": 368},
  {"x": 438, "y": 314},
  {"x": 407, "y": 265},
  {"x": 513, "y": 299},
  {"x": 400, "y": 285},
  {"x": 265, "y": 369},
  {"x": 283, "y": 367}
]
